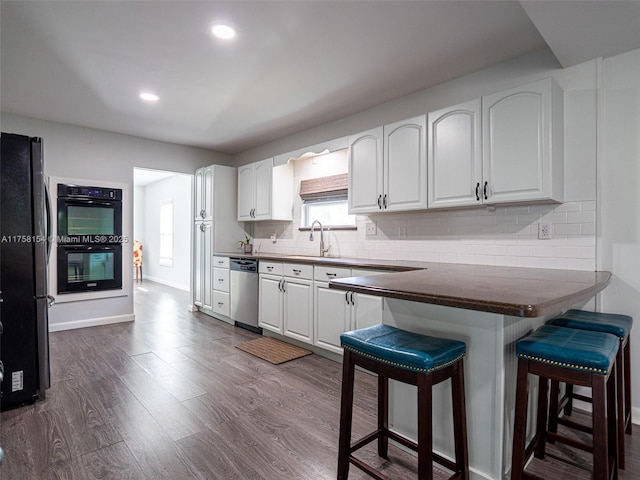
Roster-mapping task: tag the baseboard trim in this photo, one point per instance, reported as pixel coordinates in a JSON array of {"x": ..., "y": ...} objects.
[{"x": 90, "y": 322}]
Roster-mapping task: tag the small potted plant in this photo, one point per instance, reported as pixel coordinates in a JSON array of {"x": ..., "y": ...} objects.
[{"x": 246, "y": 245}]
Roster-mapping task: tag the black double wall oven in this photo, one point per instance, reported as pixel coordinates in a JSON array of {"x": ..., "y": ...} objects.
[{"x": 89, "y": 238}]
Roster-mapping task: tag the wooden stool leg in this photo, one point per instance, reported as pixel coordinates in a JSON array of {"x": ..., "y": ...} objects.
[
  {"x": 554, "y": 397},
  {"x": 600, "y": 438},
  {"x": 619, "y": 384},
  {"x": 614, "y": 451},
  {"x": 627, "y": 385},
  {"x": 346, "y": 415},
  {"x": 569, "y": 394},
  {"x": 383, "y": 415},
  {"x": 425, "y": 430},
  {"x": 541, "y": 423},
  {"x": 520, "y": 420},
  {"x": 460, "y": 421}
]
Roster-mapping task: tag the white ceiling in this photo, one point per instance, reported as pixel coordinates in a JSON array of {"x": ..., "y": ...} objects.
[{"x": 292, "y": 66}]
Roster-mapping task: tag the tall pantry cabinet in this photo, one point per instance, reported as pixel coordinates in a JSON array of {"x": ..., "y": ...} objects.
[{"x": 215, "y": 228}]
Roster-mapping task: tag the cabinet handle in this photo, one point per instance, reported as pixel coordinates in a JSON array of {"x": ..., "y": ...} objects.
[
  {"x": 346, "y": 297},
  {"x": 284, "y": 285},
  {"x": 351, "y": 298},
  {"x": 221, "y": 279},
  {"x": 202, "y": 213},
  {"x": 384, "y": 201},
  {"x": 485, "y": 191},
  {"x": 202, "y": 227},
  {"x": 296, "y": 271},
  {"x": 332, "y": 275},
  {"x": 477, "y": 191},
  {"x": 269, "y": 268},
  {"x": 220, "y": 304},
  {"x": 380, "y": 201}
]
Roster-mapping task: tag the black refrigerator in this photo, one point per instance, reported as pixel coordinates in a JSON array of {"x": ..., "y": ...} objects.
[{"x": 25, "y": 219}]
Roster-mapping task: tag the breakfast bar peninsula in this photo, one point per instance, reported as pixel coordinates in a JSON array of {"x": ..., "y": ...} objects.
[{"x": 489, "y": 308}]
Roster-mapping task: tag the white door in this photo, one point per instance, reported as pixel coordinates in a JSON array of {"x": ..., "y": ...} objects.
[
  {"x": 270, "y": 303},
  {"x": 332, "y": 316},
  {"x": 405, "y": 165},
  {"x": 263, "y": 176},
  {"x": 298, "y": 309},
  {"x": 365, "y": 171},
  {"x": 454, "y": 160},
  {"x": 246, "y": 192}
]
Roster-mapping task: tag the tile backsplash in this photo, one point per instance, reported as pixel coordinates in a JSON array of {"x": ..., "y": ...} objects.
[{"x": 506, "y": 236}]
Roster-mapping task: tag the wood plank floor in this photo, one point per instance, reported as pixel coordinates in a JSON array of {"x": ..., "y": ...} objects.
[{"x": 169, "y": 397}]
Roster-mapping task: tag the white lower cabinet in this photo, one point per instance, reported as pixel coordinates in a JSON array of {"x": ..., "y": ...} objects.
[
  {"x": 286, "y": 300},
  {"x": 221, "y": 295},
  {"x": 338, "y": 311}
]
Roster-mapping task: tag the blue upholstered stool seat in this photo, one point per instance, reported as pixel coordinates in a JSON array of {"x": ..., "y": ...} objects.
[
  {"x": 570, "y": 348},
  {"x": 614, "y": 323},
  {"x": 410, "y": 351}
]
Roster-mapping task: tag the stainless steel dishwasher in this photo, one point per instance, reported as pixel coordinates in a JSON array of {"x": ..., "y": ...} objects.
[{"x": 244, "y": 292}]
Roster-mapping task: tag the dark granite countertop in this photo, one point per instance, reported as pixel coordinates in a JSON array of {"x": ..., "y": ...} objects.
[
  {"x": 515, "y": 291},
  {"x": 521, "y": 292}
]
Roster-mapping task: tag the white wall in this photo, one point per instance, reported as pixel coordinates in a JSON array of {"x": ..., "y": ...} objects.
[
  {"x": 619, "y": 196},
  {"x": 178, "y": 190},
  {"x": 84, "y": 153}
]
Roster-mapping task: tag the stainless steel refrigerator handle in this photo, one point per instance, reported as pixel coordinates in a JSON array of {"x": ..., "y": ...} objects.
[
  {"x": 47, "y": 207},
  {"x": 51, "y": 301}
]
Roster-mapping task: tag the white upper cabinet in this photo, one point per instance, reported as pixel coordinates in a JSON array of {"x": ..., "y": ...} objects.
[
  {"x": 455, "y": 156},
  {"x": 387, "y": 168},
  {"x": 204, "y": 194},
  {"x": 365, "y": 171},
  {"x": 523, "y": 143},
  {"x": 405, "y": 165},
  {"x": 265, "y": 191}
]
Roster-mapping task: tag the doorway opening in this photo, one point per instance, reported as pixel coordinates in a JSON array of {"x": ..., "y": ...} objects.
[{"x": 162, "y": 225}]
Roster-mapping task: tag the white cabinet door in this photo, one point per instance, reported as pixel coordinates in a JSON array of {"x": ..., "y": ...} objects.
[
  {"x": 298, "y": 309},
  {"x": 366, "y": 310},
  {"x": 405, "y": 165},
  {"x": 522, "y": 143},
  {"x": 263, "y": 171},
  {"x": 332, "y": 316},
  {"x": 246, "y": 192},
  {"x": 454, "y": 157},
  {"x": 365, "y": 171},
  {"x": 203, "y": 271},
  {"x": 198, "y": 192},
  {"x": 270, "y": 301},
  {"x": 208, "y": 193}
]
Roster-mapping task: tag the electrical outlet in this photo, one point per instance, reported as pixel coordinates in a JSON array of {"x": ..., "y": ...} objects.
[
  {"x": 402, "y": 234},
  {"x": 544, "y": 231},
  {"x": 273, "y": 238},
  {"x": 370, "y": 228}
]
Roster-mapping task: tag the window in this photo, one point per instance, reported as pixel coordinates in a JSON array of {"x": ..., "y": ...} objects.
[
  {"x": 166, "y": 234},
  {"x": 331, "y": 213},
  {"x": 325, "y": 199}
]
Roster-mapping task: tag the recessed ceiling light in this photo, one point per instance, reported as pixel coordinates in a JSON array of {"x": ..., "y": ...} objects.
[
  {"x": 149, "y": 97},
  {"x": 223, "y": 31}
]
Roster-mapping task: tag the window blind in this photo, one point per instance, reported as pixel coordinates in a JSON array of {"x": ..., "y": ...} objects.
[{"x": 333, "y": 187}]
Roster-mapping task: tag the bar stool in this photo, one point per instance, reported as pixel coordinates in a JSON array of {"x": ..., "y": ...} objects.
[
  {"x": 615, "y": 324},
  {"x": 573, "y": 356},
  {"x": 411, "y": 358}
]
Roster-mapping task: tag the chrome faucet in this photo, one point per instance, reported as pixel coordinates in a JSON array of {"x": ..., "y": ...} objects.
[{"x": 322, "y": 249}]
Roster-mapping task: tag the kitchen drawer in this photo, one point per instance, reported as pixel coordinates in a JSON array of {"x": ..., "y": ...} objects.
[
  {"x": 274, "y": 268},
  {"x": 222, "y": 262},
  {"x": 221, "y": 279},
  {"x": 325, "y": 274},
  {"x": 297, "y": 270},
  {"x": 221, "y": 303}
]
